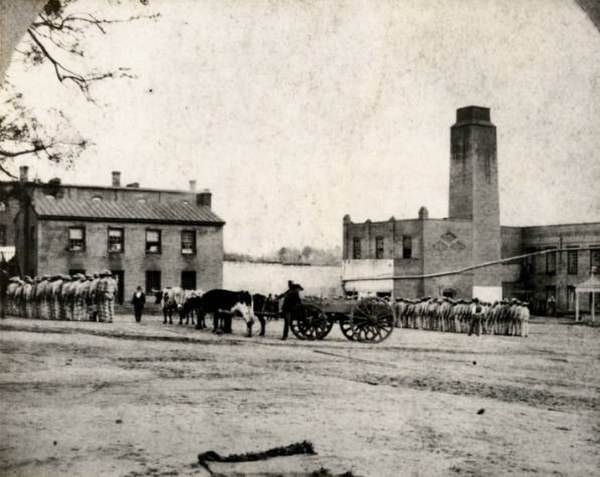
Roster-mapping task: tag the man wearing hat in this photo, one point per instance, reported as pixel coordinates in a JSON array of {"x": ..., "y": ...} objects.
[
  {"x": 291, "y": 304},
  {"x": 54, "y": 293},
  {"x": 78, "y": 299},
  {"x": 94, "y": 298},
  {"x": 476, "y": 317},
  {"x": 107, "y": 288}
]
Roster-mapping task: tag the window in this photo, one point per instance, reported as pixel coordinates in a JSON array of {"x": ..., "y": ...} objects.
[
  {"x": 2, "y": 235},
  {"x": 572, "y": 262},
  {"x": 595, "y": 259},
  {"x": 406, "y": 246},
  {"x": 76, "y": 238},
  {"x": 529, "y": 262},
  {"x": 188, "y": 242},
  {"x": 188, "y": 280},
  {"x": 115, "y": 240},
  {"x": 153, "y": 241},
  {"x": 551, "y": 263},
  {"x": 153, "y": 281},
  {"x": 356, "y": 248},
  {"x": 378, "y": 247}
]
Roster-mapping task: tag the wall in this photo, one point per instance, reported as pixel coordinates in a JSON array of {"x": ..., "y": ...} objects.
[
  {"x": 447, "y": 245},
  {"x": 8, "y": 213},
  {"x": 272, "y": 278},
  {"x": 368, "y": 268},
  {"x": 556, "y": 236},
  {"x": 392, "y": 232},
  {"x": 207, "y": 262}
]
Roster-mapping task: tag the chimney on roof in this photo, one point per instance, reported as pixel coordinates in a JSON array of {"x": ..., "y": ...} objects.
[
  {"x": 23, "y": 173},
  {"x": 192, "y": 186},
  {"x": 133, "y": 185},
  {"x": 204, "y": 198},
  {"x": 116, "y": 179}
]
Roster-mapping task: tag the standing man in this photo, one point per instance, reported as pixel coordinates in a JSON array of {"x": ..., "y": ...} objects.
[
  {"x": 476, "y": 317},
  {"x": 291, "y": 304},
  {"x": 108, "y": 288},
  {"x": 138, "y": 301}
]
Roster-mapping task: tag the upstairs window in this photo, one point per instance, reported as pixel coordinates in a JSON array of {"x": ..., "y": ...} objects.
[
  {"x": 356, "y": 248},
  {"x": 551, "y": 263},
  {"x": 153, "y": 244},
  {"x": 379, "y": 247},
  {"x": 76, "y": 238},
  {"x": 406, "y": 246},
  {"x": 188, "y": 242},
  {"x": 572, "y": 257},
  {"x": 115, "y": 240},
  {"x": 595, "y": 259}
]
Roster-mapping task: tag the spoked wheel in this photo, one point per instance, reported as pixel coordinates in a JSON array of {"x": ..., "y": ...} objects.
[
  {"x": 348, "y": 329},
  {"x": 310, "y": 323},
  {"x": 371, "y": 320}
]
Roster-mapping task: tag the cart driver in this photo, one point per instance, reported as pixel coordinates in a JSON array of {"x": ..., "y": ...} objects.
[{"x": 291, "y": 302}]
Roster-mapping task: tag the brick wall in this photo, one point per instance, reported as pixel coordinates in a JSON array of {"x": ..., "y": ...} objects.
[
  {"x": 540, "y": 280},
  {"x": 55, "y": 256}
]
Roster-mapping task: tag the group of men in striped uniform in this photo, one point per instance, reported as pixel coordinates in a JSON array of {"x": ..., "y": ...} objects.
[
  {"x": 77, "y": 297},
  {"x": 503, "y": 317}
]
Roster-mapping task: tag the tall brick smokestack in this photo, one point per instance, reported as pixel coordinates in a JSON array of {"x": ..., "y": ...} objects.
[{"x": 474, "y": 188}]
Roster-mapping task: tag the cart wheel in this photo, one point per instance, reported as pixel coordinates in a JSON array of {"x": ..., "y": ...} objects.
[
  {"x": 330, "y": 324},
  {"x": 348, "y": 329},
  {"x": 371, "y": 320},
  {"x": 309, "y": 323}
]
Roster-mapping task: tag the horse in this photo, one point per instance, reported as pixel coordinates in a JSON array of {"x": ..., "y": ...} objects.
[{"x": 223, "y": 304}]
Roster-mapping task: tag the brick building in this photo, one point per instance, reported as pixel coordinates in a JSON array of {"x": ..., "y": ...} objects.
[
  {"x": 471, "y": 235},
  {"x": 146, "y": 237}
]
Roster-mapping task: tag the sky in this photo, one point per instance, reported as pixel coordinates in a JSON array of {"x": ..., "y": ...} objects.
[{"x": 294, "y": 113}]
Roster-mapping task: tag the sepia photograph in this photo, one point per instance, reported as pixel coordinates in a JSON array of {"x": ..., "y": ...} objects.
[{"x": 299, "y": 238}]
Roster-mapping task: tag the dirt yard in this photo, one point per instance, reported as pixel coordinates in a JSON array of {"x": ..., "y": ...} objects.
[{"x": 84, "y": 399}]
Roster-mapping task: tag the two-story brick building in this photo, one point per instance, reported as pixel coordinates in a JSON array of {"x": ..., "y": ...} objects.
[
  {"x": 471, "y": 235},
  {"x": 145, "y": 237}
]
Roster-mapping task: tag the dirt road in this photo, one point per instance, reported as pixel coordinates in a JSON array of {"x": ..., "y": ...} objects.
[{"x": 84, "y": 399}]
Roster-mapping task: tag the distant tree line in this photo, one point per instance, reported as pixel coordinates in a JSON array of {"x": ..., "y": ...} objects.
[{"x": 290, "y": 255}]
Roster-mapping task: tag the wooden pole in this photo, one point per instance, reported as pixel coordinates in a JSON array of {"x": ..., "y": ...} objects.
[{"x": 576, "y": 305}]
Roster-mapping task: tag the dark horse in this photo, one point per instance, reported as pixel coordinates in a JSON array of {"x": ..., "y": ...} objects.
[
  {"x": 223, "y": 304},
  {"x": 264, "y": 306}
]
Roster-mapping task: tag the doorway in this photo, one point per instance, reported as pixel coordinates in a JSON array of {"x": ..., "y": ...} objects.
[{"x": 119, "y": 276}]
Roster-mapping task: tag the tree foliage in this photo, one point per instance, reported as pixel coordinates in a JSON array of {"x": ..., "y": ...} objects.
[{"x": 56, "y": 37}]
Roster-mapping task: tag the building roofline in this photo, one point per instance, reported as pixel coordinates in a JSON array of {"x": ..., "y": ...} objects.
[
  {"x": 416, "y": 219},
  {"x": 571, "y": 224},
  {"x": 68, "y": 218},
  {"x": 109, "y": 187}
]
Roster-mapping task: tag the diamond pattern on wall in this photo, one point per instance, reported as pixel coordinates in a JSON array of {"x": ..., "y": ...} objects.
[
  {"x": 449, "y": 240},
  {"x": 449, "y": 237},
  {"x": 458, "y": 245},
  {"x": 440, "y": 246}
]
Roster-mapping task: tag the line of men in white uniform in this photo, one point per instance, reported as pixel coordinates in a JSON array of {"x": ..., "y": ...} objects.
[
  {"x": 503, "y": 317},
  {"x": 62, "y": 297}
]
